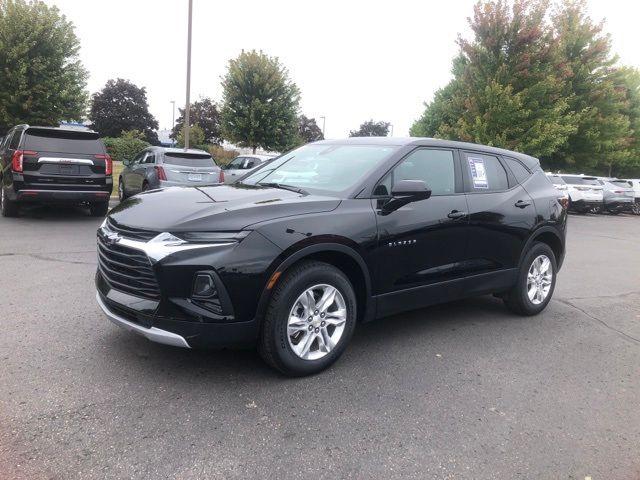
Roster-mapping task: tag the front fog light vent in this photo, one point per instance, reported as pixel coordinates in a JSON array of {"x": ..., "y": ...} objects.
[{"x": 204, "y": 286}]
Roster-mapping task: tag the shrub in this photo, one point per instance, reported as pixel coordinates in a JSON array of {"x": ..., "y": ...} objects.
[
  {"x": 124, "y": 147},
  {"x": 221, "y": 155}
]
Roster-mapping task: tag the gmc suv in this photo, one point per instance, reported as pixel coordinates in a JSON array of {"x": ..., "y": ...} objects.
[
  {"x": 54, "y": 165},
  {"x": 333, "y": 233}
]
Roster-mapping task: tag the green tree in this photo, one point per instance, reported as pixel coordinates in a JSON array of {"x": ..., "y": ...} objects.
[
  {"x": 126, "y": 146},
  {"x": 196, "y": 137},
  {"x": 371, "y": 128},
  {"x": 42, "y": 80},
  {"x": 309, "y": 130},
  {"x": 122, "y": 106},
  {"x": 203, "y": 113},
  {"x": 259, "y": 103}
]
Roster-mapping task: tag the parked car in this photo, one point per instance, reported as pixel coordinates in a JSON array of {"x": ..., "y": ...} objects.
[
  {"x": 618, "y": 195},
  {"x": 242, "y": 165},
  {"x": 291, "y": 263},
  {"x": 634, "y": 183},
  {"x": 560, "y": 185},
  {"x": 585, "y": 193},
  {"x": 158, "y": 167},
  {"x": 54, "y": 166}
]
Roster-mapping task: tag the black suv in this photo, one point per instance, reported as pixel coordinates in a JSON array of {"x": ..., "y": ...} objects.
[
  {"x": 54, "y": 165},
  {"x": 334, "y": 233}
]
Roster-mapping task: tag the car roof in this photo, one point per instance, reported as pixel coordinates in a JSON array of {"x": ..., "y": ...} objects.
[
  {"x": 56, "y": 129},
  {"x": 178, "y": 150},
  {"x": 430, "y": 142}
]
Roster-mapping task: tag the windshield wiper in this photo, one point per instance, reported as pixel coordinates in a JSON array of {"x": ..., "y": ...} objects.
[{"x": 284, "y": 187}]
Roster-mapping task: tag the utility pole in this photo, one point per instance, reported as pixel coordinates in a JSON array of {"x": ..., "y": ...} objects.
[
  {"x": 323, "y": 121},
  {"x": 173, "y": 120},
  {"x": 188, "y": 103}
]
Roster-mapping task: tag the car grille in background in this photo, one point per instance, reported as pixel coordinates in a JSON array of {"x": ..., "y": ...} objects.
[
  {"x": 127, "y": 269},
  {"x": 130, "y": 232}
]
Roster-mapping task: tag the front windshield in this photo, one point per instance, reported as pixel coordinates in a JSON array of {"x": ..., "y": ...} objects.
[{"x": 322, "y": 167}]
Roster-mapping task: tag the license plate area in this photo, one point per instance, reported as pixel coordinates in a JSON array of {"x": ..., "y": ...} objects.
[
  {"x": 68, "y": 169},
  {"x": 195, "y": 177}
]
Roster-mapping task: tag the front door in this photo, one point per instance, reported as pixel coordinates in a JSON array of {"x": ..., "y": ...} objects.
[{"x": 420, "y": 246}]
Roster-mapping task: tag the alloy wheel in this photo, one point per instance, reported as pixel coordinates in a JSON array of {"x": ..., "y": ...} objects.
[
  {"x": 316, "y": 322},
  {"x": 539, "y": 279},
  {"x": 635, "y": 208}
]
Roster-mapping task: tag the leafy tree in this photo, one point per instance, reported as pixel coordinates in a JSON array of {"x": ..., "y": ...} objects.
[
  {"x": 309, "y": 130},
  {"x": 42, "y": 80},
  {"x": 196, "y": 137},
  {"x": 259, "y": 103},
  {"x": 122, "y": 106},
  {"x": 204, "y": 114},
  {"x": 371, "y": 128},
  {"x": 126, "y": 146}
]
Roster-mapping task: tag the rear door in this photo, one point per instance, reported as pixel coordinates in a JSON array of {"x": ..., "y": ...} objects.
[
  {"x": 63, "y": 159},
  {"x": 501, "y": 214},
  {"x": 186, "y": 168}
]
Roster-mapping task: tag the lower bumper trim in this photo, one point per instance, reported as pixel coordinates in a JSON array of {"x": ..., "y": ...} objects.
[{"x": 154, "y": 334}]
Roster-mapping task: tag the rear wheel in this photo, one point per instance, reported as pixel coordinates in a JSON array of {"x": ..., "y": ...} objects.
[
  {"x": 145, "y": 186},
  {"x": 536, "y": 281},
  {"x": 309, "y": 321},
  {"x": 8, "y": 208},
  {"x": 99, "y": 209},
  {"x": 635, "y": 208}
]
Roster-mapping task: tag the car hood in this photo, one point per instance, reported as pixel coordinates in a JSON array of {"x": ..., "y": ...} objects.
[{"x": 215, "y": 208}]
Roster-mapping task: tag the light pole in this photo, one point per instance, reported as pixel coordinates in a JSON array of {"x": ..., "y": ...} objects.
[
  {"x": 188, "y": 103},
  {"x": 173, "y": 119},
  {"x": 323, "y": 122},
  {"x": 391, "y": 125}
]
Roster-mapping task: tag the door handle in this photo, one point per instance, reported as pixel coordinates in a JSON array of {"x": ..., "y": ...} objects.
[
  {"x": 523, "y": 203},
  {"x": 456, "y": 214}
]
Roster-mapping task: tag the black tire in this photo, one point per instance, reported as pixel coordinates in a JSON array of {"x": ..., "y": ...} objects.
[
  {"x": 635, "y": 208},
  {"x": 99, "y": 209},
  {"x": 8, "y": 208},
  {"x": 122, "y": 194},
  {"x": 613, "y": 211},
  {"x": 274, "y": 344},
  {"x": 517, "y": 299},
  {"x": 145, "y": 186}
]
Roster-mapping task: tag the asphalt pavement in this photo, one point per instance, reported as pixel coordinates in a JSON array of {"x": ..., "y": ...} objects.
[{"x": 464, "y": 390}]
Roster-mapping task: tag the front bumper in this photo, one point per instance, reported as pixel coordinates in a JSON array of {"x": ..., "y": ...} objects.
[{"x": 154, "y": 334}]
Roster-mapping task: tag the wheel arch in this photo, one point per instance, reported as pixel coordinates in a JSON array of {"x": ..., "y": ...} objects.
[
  {"x": 549, "y": 236},
  {"x": 343, "y": 257}
]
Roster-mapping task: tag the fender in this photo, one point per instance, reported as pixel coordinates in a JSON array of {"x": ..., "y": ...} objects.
[
  {"x": 532, "y": 238},
  {"x": 369, "y": 310}
]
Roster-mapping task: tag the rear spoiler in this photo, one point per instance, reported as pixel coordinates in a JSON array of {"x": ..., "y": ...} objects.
[{"x": 63, "y": 133}]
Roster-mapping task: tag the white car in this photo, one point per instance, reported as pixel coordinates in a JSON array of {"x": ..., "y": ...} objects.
[
  {"x": 242, "y": 165},
  {"x": 560, "y": 185},
  {"x": 585, "y": 193},
  {"x": 635, "y": 184}
]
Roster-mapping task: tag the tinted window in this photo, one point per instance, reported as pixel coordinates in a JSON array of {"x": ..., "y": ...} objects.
[
  {"x": 518, "y": 169},
  {"x": 236, "y": 163},
  {"x": 15, "y": 140},
  {"x": 622, "y": 183},
  {"x": 323, "y": 167},
  {"x": 434, "y": 167},
  {"x": 189, "y": 159},
  {"x": 556, "y": 180},
  {"x": 63, "y": 141},
  {"x": 486, "y": 173},
  {"x": 150, "y": 158}
]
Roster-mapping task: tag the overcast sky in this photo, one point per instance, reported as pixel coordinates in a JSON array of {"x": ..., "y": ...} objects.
[{"x": 352, "y": 60}]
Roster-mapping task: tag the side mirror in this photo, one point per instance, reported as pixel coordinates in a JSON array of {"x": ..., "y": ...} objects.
[
  {"x": 126, "y": 162},
  {"x": 405, "y": 192}
]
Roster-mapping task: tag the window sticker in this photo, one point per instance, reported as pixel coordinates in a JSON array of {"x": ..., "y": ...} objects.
[{"x": 478, "y": 172}]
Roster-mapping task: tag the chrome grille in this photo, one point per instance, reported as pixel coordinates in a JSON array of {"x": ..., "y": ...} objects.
[
  {"x": 130, "y": 232},
  {"x": 127, "y": 269}
]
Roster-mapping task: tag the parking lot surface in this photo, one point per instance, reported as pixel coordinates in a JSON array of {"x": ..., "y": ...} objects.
[{"x": 462, "y": 390}]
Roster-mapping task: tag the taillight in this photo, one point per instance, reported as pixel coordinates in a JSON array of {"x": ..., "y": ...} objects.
[
  {"x": 221, "y": 176},
  {"x": 17, "y": 160},
  {"x": 161, "y": 174},
  {"x": 108, "y": 163}
]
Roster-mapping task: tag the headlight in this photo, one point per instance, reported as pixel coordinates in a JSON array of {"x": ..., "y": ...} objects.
[{"x": 212, "y": 237}]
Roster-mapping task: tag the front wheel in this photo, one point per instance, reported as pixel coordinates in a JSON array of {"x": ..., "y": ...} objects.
[
  {"x": 310, "y": 319},
  {"x": 536, "y": 281}
]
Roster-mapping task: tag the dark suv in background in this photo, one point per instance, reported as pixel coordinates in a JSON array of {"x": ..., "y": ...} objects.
[
  {"x": 53, "y": 166},
  {"x": 160, "y": 167},
  {"x": 333, "y": 233}
]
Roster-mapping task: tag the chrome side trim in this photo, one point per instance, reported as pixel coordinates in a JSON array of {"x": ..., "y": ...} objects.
[
  {"x": 74, "y": 161},
  {"x": 159, "y": 247},
  {"x": 154, "y": 334}
]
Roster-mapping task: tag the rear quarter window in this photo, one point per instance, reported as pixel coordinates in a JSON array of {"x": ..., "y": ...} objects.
[
  {"x": 63, "y": 142},
  {"x": 189, "y": 159},
  {"x": 518, "y": 169}
]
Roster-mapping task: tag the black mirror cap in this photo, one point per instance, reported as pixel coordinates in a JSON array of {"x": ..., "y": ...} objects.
[{"x": 416, "y": 189}]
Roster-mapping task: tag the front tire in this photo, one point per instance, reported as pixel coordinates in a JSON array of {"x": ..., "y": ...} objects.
[
  {"x": 310, "y": 319},
  {"x": 536, "y": 281},
  {"x": 8, "y": 208}
]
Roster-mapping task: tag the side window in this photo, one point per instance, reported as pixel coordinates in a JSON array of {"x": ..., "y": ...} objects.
[
  {"x": 436, "y": 168},
  {"x": 138, "y": 158},
  {"x": 151, "y": 158},
  {"x": 518, "y": 169},
  {"x": 251, "y": 162},
  {"x": 236, "y": 163},
  {"x": 486, "y": 173},
  {"x": 15, "y": 141}
]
